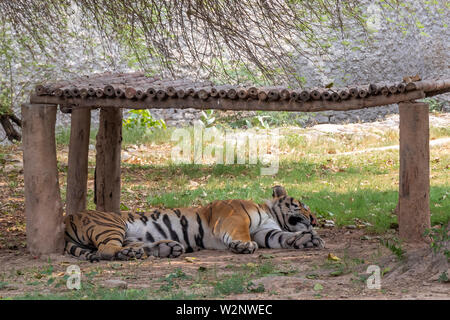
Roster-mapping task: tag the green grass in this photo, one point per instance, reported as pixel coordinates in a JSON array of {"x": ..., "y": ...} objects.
[
  {"x": 395, "y": 246},
  {"x": 345, "y": 265},
  {"x": 62, "y": 136},
  {"x": 338, "y": 187},
  {"x": 134, "y": 135},
  {"x": 138, "y": 135},
  {"x": 439, "y": 132},
  {"x": 176, "y": 285},
  {"x": 368, "y": 193},
  {"x": 90, "y": 294},
  {"x": 234, "y": 284},
  {"x": 264, "y": 119},
  {"x": 242, "y": 277},
  {"x": 434, "y": 105}
]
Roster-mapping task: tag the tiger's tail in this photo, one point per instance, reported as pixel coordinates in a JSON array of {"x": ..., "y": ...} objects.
[{"x": 80, "y": 252}]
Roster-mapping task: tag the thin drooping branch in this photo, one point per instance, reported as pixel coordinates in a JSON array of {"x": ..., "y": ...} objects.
[
  {"x": 11, "y": 133},
  {"x": 218, "y": 39},
  {"x": 15, "y": 119},
  {"x": 231, "y": 41}
]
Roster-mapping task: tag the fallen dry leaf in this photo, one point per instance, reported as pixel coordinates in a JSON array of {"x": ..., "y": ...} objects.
[
  {"x": 333, "y": 257},
  {"x": 190, "y": 259}
]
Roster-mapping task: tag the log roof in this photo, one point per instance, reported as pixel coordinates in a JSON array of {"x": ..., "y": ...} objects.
[{"x": 138, "y": 91}]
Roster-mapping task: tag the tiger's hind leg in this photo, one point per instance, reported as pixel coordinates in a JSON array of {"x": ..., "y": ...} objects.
[
  {"x": 111, "y": 249},
  {"x": 237, "y": 239},
  {"x": 235, "y": 235},
  {"x": 164, "y": 249},
  {"x": 131, "y": 250},
  {"x": 81, "y": 252}
]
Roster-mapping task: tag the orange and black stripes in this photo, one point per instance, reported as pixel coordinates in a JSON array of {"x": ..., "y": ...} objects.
[{"x": 239, "y": 225}]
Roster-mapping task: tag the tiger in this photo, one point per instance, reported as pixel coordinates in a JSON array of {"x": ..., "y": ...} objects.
[{"x": 241, "y": 226}]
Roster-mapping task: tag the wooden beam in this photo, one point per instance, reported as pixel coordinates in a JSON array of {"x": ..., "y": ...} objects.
[
  {"x": 414, "y": 189},
  {"x": 107, "y": 170},
  {"x": 232, "y": 104},
  {"x": 77, "y": 172},
  {"x": 43, "y": 208}
]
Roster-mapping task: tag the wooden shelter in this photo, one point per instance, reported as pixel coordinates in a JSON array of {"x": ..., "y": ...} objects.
[{"x": 113, "y": 92}]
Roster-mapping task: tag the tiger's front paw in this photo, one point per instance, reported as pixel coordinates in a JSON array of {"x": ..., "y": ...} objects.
[
  {"x": 299, "y": 240},
  {"x": 238, "y": 246},
  {"x": 317, "y": 241}
]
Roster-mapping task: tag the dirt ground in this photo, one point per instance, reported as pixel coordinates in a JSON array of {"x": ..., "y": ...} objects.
[
  {"x": 337, "y": 272},
  {"x": 296, "y": 274}
]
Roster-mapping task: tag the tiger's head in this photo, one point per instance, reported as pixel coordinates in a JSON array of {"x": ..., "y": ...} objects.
[{"x": 290, "y": 214}]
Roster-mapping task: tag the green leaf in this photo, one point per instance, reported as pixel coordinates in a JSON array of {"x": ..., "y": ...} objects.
[
  {"x": 336, "y": 273},
  {"x": 385, "y": 270},
  {"x": 318, "y": 287}
]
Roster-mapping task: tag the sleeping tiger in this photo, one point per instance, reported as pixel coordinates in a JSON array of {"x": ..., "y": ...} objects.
[{"x": 238, "y": 225}]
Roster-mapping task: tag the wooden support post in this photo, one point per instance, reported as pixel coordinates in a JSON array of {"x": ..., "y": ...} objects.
[
  {"x": 414, "y": 191},
  {"x": 43, "y": 208},
  {"x": 107, "y": 170},
  {"x": 77, "y": 172}
]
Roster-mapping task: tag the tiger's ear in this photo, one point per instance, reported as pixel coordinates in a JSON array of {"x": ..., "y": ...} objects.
[{"x": 278, "y": 191}]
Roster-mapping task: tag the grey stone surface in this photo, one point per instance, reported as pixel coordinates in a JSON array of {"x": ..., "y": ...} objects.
[
  {"x": 405, "y": 41},
  {"x": 415, "y": 41},
  {"x": 409, "y": 44},
  {"x": 172, "y": 117},
  {"x": 353, "y": 116},
  {"x": 412, "y": 43}
]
